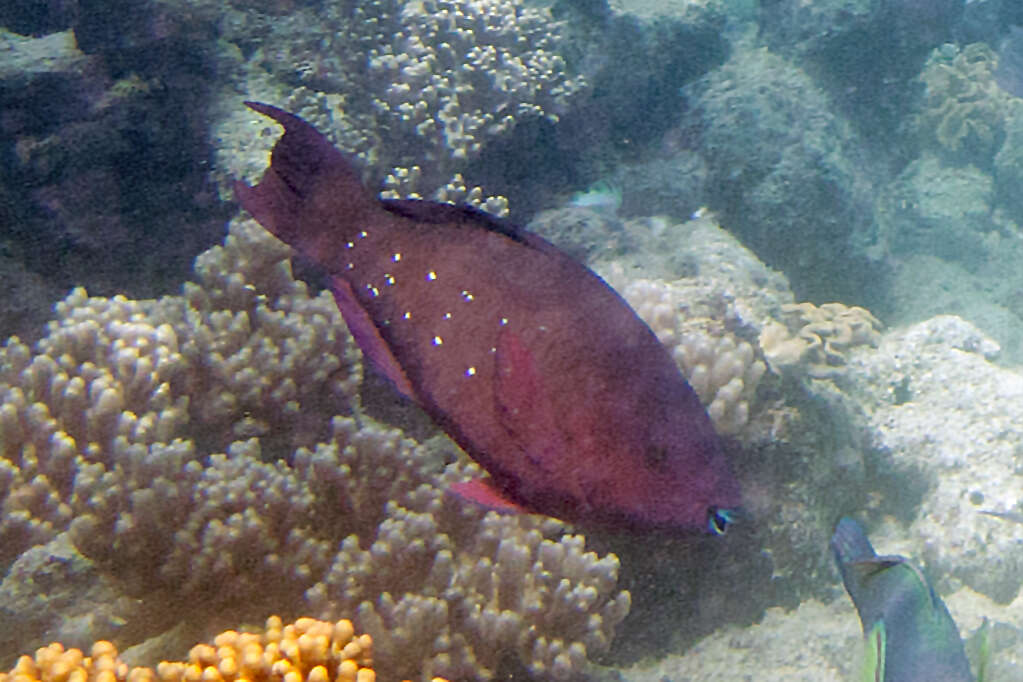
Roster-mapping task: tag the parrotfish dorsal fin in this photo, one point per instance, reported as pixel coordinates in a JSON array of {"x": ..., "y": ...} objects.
[
  {"x": 437, "y": 213},
  {"x": 308, "y": 186}
]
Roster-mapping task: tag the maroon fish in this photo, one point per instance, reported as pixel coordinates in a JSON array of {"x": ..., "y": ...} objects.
[{"x": 527, "y": 359}]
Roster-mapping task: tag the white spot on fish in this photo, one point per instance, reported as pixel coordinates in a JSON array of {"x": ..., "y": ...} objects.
[
  {"x": 363, "y": 235},
  {"x": 466, "y": 295},
  {"x": 407, "y": 315},
  {"x": 390, "y": 280},
  {"x": 437, "y": 341},
  {"x": 396, "y": 257},
  {"x": 431, "y": 275},
  {"x": 447, "y": 316},
  {"x": 351, "y": 266},
  {"x": 349, "y": 245},
  {"x": 373, "y": 290},
  {"x": 504, "y": 321},
  {"x": 470, "y": 372}
]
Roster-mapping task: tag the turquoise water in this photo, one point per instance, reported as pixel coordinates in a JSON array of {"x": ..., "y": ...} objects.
[{"x": 815, "y": 207}]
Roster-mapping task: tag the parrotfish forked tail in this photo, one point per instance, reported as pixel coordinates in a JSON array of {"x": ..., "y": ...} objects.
[
  {"x": 527, "y": 359},
  {"x": 909, "y": 634}
]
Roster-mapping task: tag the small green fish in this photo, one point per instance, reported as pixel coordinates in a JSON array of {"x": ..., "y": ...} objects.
[
  {"x": 602, "y": 197},
  {"x": 908, "y": 632}
]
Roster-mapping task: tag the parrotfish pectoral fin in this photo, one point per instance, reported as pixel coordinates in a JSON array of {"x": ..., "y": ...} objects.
[
  {"x": 518, "y": 381},
  {"x": 524, "y": 404},
  {"x": 482, "y": 492},
  {"x": 308, "y": 184},
  {"x": 367, "y": 335}
]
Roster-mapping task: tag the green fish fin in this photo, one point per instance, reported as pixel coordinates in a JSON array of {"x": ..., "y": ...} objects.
[
  {"x": 874, "y": 651},
  {"x": 978, "y": 649},
  {"x": 865, "y": 568},
  {"x": 936, "y": 602}
]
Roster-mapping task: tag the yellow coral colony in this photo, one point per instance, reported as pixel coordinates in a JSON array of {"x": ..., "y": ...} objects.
[{"x": 307, "y": 650}]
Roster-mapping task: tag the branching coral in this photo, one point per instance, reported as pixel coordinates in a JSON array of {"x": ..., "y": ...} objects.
[
  {"x": 404, "y": 182},
  {"x": 407, "y": 83},
  {"x": 458, "y": 72},
  {"x": 509, "y": 591},
  {"x": 188, "y": 446},
  {"x": 244, "y": 353},
  {"x": 815, "y": 339}
]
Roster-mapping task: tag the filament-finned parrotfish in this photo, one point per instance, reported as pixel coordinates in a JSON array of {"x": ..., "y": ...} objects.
[
  {"x": 527, "y": 359},
  {"x": 909, "y": 635}
]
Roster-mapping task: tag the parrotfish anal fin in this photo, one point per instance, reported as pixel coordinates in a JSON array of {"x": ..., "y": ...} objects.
[
  {"x": 308, "y": 184},
  {"x": 524, "y": 405},
  {"x": 483, "y": 492},
  {"x": 366, "y": 334}
]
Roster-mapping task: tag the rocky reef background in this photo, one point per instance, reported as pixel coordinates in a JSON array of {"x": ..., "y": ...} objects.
[{"x": 814, "y": 205}]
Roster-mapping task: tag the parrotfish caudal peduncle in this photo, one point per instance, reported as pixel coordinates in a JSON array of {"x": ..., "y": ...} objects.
[{"x": 527, "y": 359}]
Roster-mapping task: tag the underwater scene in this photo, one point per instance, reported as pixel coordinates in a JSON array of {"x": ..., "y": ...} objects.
[{"x": 574, "y": 340}]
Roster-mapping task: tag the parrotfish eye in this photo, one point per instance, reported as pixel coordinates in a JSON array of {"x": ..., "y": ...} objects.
[{"x": 718, "y": 520}]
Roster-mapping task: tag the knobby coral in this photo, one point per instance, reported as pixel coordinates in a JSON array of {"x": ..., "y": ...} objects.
[
  {"x": 721, "y": 367},
  {"x": 208, "y": 449}
]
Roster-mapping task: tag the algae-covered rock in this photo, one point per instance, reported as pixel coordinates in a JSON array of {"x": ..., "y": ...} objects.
[
  {"x": 1009, "y": 164},
  {"x": 939, "y": 209},
  {"x": 785, "y": 172},
  {"x": 947, "y": 422}
]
